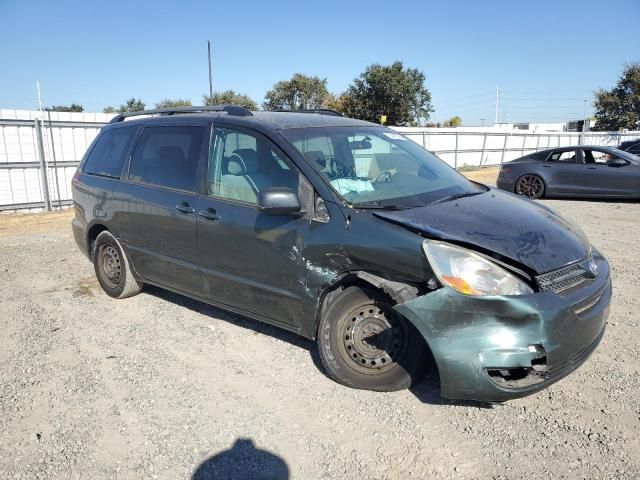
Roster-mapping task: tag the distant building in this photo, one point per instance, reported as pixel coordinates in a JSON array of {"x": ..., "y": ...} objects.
[{"x": 569, "y": 126}]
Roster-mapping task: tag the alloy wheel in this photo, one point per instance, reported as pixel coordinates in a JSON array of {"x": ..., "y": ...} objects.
[{"x": 530, "y": 186}]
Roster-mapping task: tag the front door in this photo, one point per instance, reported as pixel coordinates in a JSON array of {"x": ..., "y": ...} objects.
[
  {"x": 158, "y": 220},
  {"x": 602, "y": 177},
  {"x": 249, "y": 260}
]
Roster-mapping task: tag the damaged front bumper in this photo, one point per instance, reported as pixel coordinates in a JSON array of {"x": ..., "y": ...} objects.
[{"x": 497, "y": 348}]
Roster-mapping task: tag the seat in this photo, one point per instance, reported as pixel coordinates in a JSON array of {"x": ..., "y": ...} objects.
[{"x": 240, "y": 179}]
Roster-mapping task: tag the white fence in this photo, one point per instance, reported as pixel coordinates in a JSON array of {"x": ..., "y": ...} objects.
[
  {"x": 29, "y": 142},
  {"x": 482, "y": 147},
  {"x": 40, "y": 152}
]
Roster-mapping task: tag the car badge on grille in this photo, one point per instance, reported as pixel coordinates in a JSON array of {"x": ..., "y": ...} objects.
[{"x": 590, "y": 269}]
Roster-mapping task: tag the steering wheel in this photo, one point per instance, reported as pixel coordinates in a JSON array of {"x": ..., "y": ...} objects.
[
  {"x": 340, "y": 170},
  {"x": 384, "y": 176}
]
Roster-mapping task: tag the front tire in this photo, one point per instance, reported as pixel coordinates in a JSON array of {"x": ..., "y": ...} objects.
[
  {"x": 364, "y": 343},
  {"x": 530, "y": 186},
  {"x": 112, "y": 268}
]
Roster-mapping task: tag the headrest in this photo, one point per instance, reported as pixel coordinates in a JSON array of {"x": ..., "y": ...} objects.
[
  {"x": 171, "y": 154},
  {"x": 236, "y": 165},
  {"x": 249, "y": 157},
  {"x": 318, "y": 157}
]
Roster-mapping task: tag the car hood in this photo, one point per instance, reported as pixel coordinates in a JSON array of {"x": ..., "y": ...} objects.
[{"x": 502, "y": 225}]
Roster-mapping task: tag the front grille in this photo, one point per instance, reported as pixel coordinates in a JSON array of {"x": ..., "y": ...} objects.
[{"x": 563, "y": 278}]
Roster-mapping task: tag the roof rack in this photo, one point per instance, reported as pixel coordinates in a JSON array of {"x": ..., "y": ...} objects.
[
  {"x": 323, "y": 111},
  {"x": 236, "y": 110}
]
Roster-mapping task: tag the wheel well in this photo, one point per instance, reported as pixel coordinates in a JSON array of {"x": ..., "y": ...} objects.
[
  {"x": 94, "y": 231},
  {"x": 327, "y": 296},
  {"x": 351, "y": 280}
]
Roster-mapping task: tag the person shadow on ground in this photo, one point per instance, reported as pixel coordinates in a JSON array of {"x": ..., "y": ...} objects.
[{"x": 243, "y": 461}]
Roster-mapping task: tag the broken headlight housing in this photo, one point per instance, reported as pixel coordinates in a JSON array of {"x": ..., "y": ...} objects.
[{"x": 470, "y": 273}]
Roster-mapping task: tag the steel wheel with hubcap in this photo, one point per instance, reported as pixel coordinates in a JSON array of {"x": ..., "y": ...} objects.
[
  {"x": 530, "y": 186},
  {"x": 364, "y": 343}
]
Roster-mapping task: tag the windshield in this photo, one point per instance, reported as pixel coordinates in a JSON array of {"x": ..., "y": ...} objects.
[{"x": 377, "y": 167}]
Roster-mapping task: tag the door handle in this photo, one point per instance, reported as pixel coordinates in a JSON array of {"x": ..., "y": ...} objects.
[
  {"x": 592, "y": 168},
  {"x": 546, "y": 166},
  {"x": 209, "y": 214},
  {"x": 184, "y": 207}
]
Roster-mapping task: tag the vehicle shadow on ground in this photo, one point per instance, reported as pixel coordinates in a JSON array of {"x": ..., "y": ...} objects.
[
  {"x": 427, "y": 390},
  {"x": 242, "y": 461},
  {"x": 593, "y": 200}
]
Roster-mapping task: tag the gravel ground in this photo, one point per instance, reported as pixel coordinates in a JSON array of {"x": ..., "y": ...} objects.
[{"x": 160, "y": 386}]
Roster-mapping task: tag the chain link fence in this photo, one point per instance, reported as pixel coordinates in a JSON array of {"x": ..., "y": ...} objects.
[{"x": 39, "y": 155}]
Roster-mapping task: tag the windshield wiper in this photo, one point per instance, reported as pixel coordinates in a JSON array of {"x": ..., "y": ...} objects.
[
  {"x": 456, "y": 196},
  {"x": 376, "y": 205}
]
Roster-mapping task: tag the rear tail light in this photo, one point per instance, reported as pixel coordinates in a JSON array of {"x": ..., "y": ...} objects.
[
  {"x": 76, "y": 178},
  {"x": 505, "y": 169}
]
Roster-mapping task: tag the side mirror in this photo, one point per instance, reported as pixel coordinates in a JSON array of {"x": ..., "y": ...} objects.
[
  {"x": 617, "y": 162},
  {"x": 278, "y": 201}
]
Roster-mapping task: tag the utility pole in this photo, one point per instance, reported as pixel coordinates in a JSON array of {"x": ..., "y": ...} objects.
[
  {"x": 482, "y": 122},
  {"x": 497, "y": 103},
  {"x": 210, "y": 81},
  {"x": 584, "y": 118},
  {"x": 39, "y": 97}
]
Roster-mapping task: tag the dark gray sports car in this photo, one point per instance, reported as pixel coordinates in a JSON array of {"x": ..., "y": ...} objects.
[{"x": 582, "y": 171}]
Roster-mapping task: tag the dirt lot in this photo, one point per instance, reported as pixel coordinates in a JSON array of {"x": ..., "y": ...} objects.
[
  {"x": 159, "y": 386},
  {"x": 487, "y": 175}
]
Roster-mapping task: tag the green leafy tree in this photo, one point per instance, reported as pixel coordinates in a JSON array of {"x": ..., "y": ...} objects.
[
  {"x": 109, "y": 109},
  {"x": 169, "y": 103},
  {"x": 74, "y": 107},
  {"x": 391, "y": 90},
  {"x": 455, "y": 121},
  {"x": 620, "y": 107},
  {"x": 132, "y": 105},
  {"x": 335, "y": 102},
  {"x": 300, "y": 92},
  {"x": 230, "y": 97}
]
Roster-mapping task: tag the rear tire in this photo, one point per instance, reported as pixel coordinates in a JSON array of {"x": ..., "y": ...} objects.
[
  {"x": 530, "y": 186},
  {"x": 364, "y": 343},
  {"x": 112, "y": 268}
]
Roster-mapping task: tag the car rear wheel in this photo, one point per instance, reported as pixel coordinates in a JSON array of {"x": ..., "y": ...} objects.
[
  {"x": 364, "y": 343},
  {"x": 112, "y": 268},
  {"x": 530, "y": 185}
]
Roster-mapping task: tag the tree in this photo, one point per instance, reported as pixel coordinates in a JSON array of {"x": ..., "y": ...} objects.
[
  {"x": 620, "y": 107},
  {"x": 132, "y": 105},
  {"x": 391, "y": 90},
  {"x": 455, "y": 121},
  {"x": 168, "y": 103},
  {"x": 74, "y": 107},
  {"x": 109, "y": 109},
  {"x": 335, "y": 102},
  {"x": 230, "y": 97},
  {"x": 301, "y": 92}
]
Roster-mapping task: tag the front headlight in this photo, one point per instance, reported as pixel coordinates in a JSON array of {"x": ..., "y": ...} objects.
[{"x": 470, "y": 273}]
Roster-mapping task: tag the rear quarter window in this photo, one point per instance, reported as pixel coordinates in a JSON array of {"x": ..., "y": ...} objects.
[{"x": 108, "y": 156}]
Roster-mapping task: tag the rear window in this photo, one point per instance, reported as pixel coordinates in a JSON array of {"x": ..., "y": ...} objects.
[
  {"x": 168, "y": 156},
  {"x": 108, "y": 156}
]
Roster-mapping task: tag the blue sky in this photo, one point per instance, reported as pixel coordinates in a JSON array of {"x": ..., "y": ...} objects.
[{"x": 546, "y": 56}]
